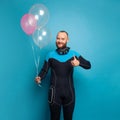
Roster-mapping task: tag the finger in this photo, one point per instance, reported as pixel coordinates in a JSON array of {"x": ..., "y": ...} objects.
[
  {"x": 74, "y": 58},
  {"x": 37, "y": 79},
  {"x": 72, "y": 63}
]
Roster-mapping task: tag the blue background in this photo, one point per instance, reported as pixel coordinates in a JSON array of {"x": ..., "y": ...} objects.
[{"x": 94, "y": 32}]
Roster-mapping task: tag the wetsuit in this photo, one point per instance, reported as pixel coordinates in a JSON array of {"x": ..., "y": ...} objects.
[{"x": 61, "y": 92}]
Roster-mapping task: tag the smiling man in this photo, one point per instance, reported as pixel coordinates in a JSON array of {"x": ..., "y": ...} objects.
[{"x": 62, "y": 62}]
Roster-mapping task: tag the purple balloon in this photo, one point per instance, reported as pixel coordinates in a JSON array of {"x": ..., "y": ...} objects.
[{"x": 28, "y": 23}]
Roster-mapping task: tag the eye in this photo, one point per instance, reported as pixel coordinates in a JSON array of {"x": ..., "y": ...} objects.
[{"x": 58, "y": 38}]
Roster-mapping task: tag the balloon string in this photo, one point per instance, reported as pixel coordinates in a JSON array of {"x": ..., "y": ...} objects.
[
  {"x": 36, "y": 60},
  {"x": 37, "y": 64}
]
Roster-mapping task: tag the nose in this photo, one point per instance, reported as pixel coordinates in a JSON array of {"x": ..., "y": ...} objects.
[{"x": 60, "y": 40}]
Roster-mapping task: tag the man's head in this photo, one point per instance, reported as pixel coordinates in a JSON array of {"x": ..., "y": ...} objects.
[{"x": 61, "y": 39}]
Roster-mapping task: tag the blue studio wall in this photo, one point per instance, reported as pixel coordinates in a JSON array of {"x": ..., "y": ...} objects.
[{"x": 94, "y": 31}]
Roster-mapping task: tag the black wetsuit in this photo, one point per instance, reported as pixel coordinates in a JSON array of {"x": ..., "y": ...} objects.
[{"x": 61, "y": 91}]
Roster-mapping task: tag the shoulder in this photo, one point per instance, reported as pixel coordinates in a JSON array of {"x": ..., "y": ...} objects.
[
  {"x": 50, "y": 54},
  {"x": 74, "y": 53}
]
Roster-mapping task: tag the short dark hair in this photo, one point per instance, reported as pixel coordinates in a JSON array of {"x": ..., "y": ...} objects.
[{"x": 63, "y": 31}]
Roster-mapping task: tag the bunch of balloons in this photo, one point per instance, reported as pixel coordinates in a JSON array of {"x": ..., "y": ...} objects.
[{"x": 34, "y": 23}]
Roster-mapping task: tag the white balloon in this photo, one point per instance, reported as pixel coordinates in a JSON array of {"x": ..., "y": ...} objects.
[
  {"x": 41, "y": 14},
  {"x": 41, "y": 37}
]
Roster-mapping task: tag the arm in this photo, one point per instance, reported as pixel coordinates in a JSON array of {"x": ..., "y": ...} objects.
[
  {"x": 43, "y": 72},
  {"x": 80, "y": 61},
  {"x": 84, "y": 63}
]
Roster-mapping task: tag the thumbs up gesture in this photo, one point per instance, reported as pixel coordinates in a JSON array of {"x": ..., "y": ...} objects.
[{"x": 75, "y": 62}]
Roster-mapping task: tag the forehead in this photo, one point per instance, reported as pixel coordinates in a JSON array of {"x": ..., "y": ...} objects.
[{"x": 61, "y": 34}]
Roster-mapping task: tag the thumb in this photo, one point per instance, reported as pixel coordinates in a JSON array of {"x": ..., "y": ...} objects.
[{"x": 74, "y": 58}]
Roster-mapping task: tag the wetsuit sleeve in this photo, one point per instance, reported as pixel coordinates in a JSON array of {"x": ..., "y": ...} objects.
[
  {"x": 84, "y": 63},
  {"x": 44, "y": 70}
]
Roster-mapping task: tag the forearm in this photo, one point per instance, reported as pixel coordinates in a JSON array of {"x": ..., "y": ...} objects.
[
  {"x": 44, "y": 70},
  {"x": 84, "y": 63}
]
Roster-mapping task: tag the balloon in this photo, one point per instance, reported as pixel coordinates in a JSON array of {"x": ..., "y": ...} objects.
[
  {"x": 41, "y": 14},
  {"x": 41, "y": 37},
  {"x": 28, "y": 23}
]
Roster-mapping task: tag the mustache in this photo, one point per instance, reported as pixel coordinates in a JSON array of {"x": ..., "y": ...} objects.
[{"x": 64, "y": 44}]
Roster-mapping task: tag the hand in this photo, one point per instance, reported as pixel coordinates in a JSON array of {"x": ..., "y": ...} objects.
[
  {"x": 75, "y": 62},
  {"x": 38, "y": 80}
]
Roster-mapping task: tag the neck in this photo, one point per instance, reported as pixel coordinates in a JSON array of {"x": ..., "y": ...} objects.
[{"x": 63, "y": 50}]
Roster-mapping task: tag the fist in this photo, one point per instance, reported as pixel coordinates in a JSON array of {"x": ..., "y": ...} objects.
[
  {"x": 38, "y": 79},
  {"x": 75, "y": 62}
]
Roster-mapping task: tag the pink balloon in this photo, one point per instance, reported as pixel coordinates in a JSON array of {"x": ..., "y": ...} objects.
[{"x": 28, "y": 23}]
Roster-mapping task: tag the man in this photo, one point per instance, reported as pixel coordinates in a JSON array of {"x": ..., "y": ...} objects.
[{"x": 61, "y": 92}]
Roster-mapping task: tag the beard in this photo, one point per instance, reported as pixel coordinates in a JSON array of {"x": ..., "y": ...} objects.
[{"x": 63, "y": 45}]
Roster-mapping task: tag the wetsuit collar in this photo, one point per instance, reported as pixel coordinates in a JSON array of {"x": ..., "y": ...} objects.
[{"x": 63, "y": 51}]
